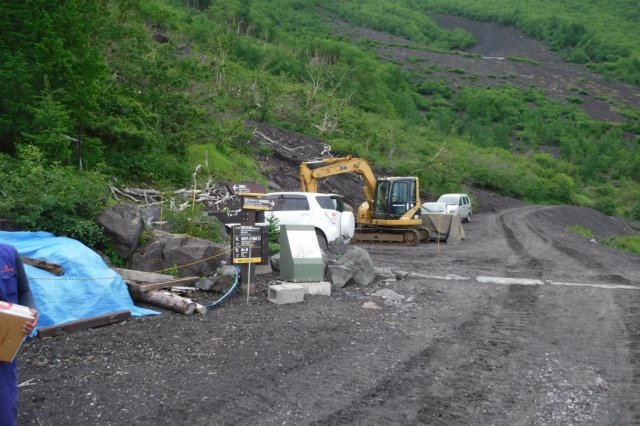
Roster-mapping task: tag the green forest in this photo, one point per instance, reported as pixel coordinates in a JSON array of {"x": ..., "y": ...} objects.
[{"x": 123, "y": 92}]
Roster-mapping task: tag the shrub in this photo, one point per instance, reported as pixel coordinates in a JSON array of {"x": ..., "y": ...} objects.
[
  {"x": 627, "y": 243},
  {"x": 58, "y": 199},
  {"x": 192, "y": 221},
  {"x": 274, "y": 235},
  {"x": 577, "y": 229}
]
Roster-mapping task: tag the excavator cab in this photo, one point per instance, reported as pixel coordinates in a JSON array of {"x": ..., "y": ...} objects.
[{"x": 394, "y": 197}]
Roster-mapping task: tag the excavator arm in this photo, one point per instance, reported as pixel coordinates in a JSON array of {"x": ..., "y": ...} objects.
[{"x": 335, "y": 166}]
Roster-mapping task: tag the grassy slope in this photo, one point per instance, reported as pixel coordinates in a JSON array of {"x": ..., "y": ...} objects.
[{"x": 447, "y": 140}]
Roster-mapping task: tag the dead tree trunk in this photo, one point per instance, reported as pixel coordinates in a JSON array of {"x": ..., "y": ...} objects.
[{"x": 170, "y": 301}]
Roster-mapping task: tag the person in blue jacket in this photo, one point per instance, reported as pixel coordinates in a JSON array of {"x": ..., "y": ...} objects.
[{"x": 14, "y": 288}]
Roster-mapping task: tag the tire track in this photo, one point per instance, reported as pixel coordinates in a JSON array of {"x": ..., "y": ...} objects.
[{"x": 454, "y": 380}]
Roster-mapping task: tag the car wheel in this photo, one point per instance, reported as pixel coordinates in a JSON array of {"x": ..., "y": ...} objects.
[
  {"x": 468, "y": 217},
  {"x": 322, "y": 241}
]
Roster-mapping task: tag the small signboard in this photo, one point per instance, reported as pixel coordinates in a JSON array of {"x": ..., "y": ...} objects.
[
  {"x": 257, "y": 203},
  {"x": 249, "y": 244},
  {"x": 249, "y": 188}
]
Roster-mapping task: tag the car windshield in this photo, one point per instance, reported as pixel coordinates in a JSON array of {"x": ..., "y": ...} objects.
[
  {"x": 433, "y": 207},
  {"x": 448, "y": 200},
  {"x": 289, "y": 202}
]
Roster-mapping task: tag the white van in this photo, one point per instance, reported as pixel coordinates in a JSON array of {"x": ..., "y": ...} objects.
[{"x": 459, "y": 204}]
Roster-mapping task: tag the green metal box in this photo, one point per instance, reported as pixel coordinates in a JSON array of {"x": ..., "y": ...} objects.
[{"x": 300, "y": 255}]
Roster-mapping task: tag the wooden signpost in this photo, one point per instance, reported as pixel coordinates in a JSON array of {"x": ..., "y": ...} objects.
[{"x": 250, "y": 243}]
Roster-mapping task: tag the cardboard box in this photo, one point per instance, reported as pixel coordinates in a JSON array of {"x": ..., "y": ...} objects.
[{"x": 12, "y": 318}]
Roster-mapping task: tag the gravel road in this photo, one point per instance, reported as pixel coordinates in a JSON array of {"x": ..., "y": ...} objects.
[{"x": 521, "y": 323}]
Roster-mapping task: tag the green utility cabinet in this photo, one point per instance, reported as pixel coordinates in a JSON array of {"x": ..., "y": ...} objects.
[{"x": 300, "y": 254}]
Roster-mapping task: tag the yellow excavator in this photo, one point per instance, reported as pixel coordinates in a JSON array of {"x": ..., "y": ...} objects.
[{"x": 391, "y": 210}]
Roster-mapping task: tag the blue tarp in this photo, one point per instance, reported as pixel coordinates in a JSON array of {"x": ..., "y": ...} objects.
[{"x": 87, "y": 288}]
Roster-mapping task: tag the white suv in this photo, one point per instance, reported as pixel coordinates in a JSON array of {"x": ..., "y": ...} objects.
[
  {"x": 326, "y": 212},
  {"x": 459, "y": 204}
]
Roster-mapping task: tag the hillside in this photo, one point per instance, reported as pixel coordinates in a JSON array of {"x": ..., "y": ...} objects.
[{"x": 143, "y": 94}]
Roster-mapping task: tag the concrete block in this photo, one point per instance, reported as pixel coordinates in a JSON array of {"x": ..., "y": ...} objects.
[
  {"x": 264, "y": 269},
  {"x": 321, "y": 288},
  {"x": 286, "y": 293}
]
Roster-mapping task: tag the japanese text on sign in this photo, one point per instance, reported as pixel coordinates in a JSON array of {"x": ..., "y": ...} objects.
[
  {"x": 257, "y": 203},
  {"x": 247, "y": 245},
  {"x": 250, "y": 188}
]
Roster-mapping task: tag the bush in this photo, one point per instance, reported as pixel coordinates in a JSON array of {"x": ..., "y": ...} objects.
[
  {"x": 628, "y": 243},
  {"x": 192, "y": 221},
  {"x": 274, "y": 235},
  {"x": 577, "y": 229},
  {"x": 58, "y": 199}
]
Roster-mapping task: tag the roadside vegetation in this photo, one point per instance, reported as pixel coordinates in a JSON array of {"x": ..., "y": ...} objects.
[
  {"x": 625, "y": 243},
  {"x": 155, "y": 89},
  {"x": 630, "y": 243}
]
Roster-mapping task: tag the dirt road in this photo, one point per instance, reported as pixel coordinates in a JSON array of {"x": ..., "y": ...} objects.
[{"x": 457, "y": 343}]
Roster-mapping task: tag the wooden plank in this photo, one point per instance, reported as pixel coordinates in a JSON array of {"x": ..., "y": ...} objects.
[
  {"x": 91, "y": 322},
  {"x": 143, "y": 288},
  {"x": 141, "y": 276}
]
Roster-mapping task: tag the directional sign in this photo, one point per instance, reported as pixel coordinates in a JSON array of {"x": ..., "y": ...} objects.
[
  {"x": 257, "y": 203},
  {"x": 235, "y": 216},
  {"x": 249, "y": 188},
  {"x": 249, "y": 244}
]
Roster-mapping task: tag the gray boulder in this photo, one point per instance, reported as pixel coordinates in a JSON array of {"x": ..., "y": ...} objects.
[
  {"x": 205, "y": 284},
  {"x": 123, "y": 225},
  {"x": 224, "y": 278},
  {"x": 151, "y": 216},
  {"x": 338, "y": 246},
  {"x": 275, "y": 262},
  {"x": 385, "y": 274},
  {"x": 190, "y": 256},
  {"x": 358, "y": 260},
  {"x": 339, "y": 275}
]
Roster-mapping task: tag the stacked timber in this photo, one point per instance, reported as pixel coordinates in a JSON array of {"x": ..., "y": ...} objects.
[{"x": 150, "y": 287}]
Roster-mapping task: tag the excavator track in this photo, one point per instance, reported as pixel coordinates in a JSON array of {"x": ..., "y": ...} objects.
[{"x": 408, "y": 236}]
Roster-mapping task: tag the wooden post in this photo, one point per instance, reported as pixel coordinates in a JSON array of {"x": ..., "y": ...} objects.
[{"x": 245, "y": 269}]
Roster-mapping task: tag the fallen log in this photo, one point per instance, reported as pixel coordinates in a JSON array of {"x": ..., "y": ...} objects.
[
  {"x": 183, "y": 291},
  {"x": 81, "y": 324},
  {"x": 169, "y": 301},
  {"x": 52, "y": 268}
]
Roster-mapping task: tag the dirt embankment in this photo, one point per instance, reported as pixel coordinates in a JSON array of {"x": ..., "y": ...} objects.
[{"x": 503, "y": 55}]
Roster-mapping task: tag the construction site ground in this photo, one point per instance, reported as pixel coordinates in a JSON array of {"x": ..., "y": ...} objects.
[{"x": 521, "y": 323}]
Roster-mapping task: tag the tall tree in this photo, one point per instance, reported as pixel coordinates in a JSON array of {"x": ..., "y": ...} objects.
[{"x": 52, "y": 38}]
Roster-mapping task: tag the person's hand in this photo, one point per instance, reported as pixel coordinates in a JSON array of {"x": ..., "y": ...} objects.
[{"x": 28, "y": 327}]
